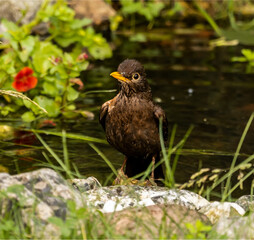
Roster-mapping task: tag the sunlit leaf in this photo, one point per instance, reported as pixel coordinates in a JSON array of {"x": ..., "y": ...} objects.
[{"x": 28, "y": 117}]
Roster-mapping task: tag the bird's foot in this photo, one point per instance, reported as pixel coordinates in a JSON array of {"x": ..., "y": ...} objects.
[{"x": 122, "y": 179}]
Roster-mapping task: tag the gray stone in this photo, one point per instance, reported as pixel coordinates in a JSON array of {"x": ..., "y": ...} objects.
[
  {"x": 38, "y": 196},
  {"x": 12, "y": 9},
  {"x": 236, "y": 227},
  {"x": 117, "y": 198},
  {"x": 43, "y": 193},
  {"x": 166, "y": 221},
  {"x": 13, "y": 193},
  {"x": 215, "y": 210},
  {"x": 246, "y": 202},
  {"x": 50, "y": 187},
  {"x": 84, "y": 185}
]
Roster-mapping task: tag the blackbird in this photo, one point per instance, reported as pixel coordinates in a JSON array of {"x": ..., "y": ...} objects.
[{"x": 131, "y": 120}]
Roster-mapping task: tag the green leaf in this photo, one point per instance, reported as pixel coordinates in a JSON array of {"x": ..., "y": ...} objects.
[
  {"x": 82, "y": 65},
  {"x": 147, "y": 13},
  {"x": 79, "y": 23},
  {"x": 130, "y": 7},
  {"x": 68, "y": 58},
  {"x": 28, "y": 117},
  {"x": 50, "y": 105},
  {"x": 243, "y": 36},
  {"x": 57, "y": 221},
  {"x": 42, "y": 53},
  {"x": 100, "y": 52},
  {"x": 155, "y": 8},
  {"x": 239, "y": 59},
  {"x": 70, "y": 114},
  {"x": 72, "y": 94},
  {"x": 50, "y": 89},
  {"x": 139, "y": 37},
  {"x": 27, "y": 46},
  {"x": 17, "y": 189},
  {"x": 64, "y": 13},
  {"x": 9, "y": 25},
  {"x": 248, "y": 54},
  {"x": 65, "y": 41}
]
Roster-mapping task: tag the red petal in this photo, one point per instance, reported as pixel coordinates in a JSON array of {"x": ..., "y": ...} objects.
[
  {"x": 32, "y": 82},
  {"x": 19, "y": 86},
  {"x": 25, "y": 84},
  {"x": 26, "y": 71}
]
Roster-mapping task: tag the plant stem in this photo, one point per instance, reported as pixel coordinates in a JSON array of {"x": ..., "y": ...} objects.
[
  {"x": 104, "y": 158},
  {"x": 213, "y": 24},
  {"x": 237, "y": 154}
]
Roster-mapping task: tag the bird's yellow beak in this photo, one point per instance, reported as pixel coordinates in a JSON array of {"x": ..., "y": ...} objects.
[{"x": 119, "y": 76}]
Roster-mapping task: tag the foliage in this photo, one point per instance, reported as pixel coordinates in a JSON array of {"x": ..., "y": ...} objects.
[
  {"x": 197, "y": 231},
  {"x": 242, "y": 31},
  {"x": 55, "y": 68},
  {"x": 150, "y": 10},
  {"x": 206, "y": 180},
  {"x": 248, "y": 57}
]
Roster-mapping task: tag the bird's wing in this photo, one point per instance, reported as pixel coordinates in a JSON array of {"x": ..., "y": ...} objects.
[
  {"x": 160, "y": 114},
  {"x": 103, "y": 113}
]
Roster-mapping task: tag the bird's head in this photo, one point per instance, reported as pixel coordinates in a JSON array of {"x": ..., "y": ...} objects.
[{"x": 132, "y": 77}]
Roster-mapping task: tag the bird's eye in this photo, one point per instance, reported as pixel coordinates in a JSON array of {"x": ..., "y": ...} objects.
[{"x": 135, "y": 76}]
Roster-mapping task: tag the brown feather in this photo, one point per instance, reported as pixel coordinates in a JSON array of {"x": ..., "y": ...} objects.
[{"x": 131, "y": 121}]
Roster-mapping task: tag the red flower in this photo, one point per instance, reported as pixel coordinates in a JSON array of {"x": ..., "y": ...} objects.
[{"x": 24, "y": 80}]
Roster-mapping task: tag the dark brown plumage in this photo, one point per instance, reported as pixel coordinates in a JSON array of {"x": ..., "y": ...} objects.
[{"x": 131, "y": 120}]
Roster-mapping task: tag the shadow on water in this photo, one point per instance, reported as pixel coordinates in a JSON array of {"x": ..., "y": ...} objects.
[{"x": 196, "y": 85}]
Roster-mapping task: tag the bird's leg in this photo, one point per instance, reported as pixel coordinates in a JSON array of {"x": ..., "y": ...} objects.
[
  {"x": 124, "y": 163},
  {"x": 121, "y": 177},
  {"x": 153, "y": 163}
]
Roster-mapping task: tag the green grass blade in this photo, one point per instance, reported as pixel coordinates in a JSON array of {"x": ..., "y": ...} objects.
[
  {"x": 103, "y": 157},
  {"x": 237, "y": 154},
  {"x": 224, "y": 177},
  {"x": 22, "y": 96},
  {"x": 71, "y": 136},
  {"x": 209, "y": 19},
  {"x": 231, "y": 190},
  {"x": 54, "y": 155},
  {"x": 179, "y": 151},
  {"x": 65, "y": 150},
  {"x": 169, "y": 177}
]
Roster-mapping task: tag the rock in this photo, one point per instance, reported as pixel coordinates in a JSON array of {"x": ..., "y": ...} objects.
[
  {"x": 153, "y": 221},
  {"x": 98, "y": 10},
  {"x": 84, "y": 185},
  {"x": 215, "y": 210},
  {"x": 19, "y": 200},
  {"x": 36, "y": 196},
  {"x": 51, "y": 188},
  {"x": 246, "y": 202},
  {"x": 12, "y": 9},
  {"x": 131, "y": 196},
  {"x": 236, "y": 227}
]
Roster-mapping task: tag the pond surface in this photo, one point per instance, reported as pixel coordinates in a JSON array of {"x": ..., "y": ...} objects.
[{"x": 195, "y": 84}]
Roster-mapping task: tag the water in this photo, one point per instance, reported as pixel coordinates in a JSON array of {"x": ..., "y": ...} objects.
[{"x": 196, "y": 85}]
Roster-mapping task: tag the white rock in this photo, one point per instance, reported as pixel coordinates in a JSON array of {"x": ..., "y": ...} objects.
[
  {"x": 111, "y": 206},
  {"x": 236, "y": 227},
  {"x": 215, "y": 210}
]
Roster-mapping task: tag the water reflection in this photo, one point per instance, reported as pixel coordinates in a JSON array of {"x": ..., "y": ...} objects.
[{"x": 196, "y": 85}]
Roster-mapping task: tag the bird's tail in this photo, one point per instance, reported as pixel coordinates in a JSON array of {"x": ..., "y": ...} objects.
[{"x": 135, "y": 166}]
